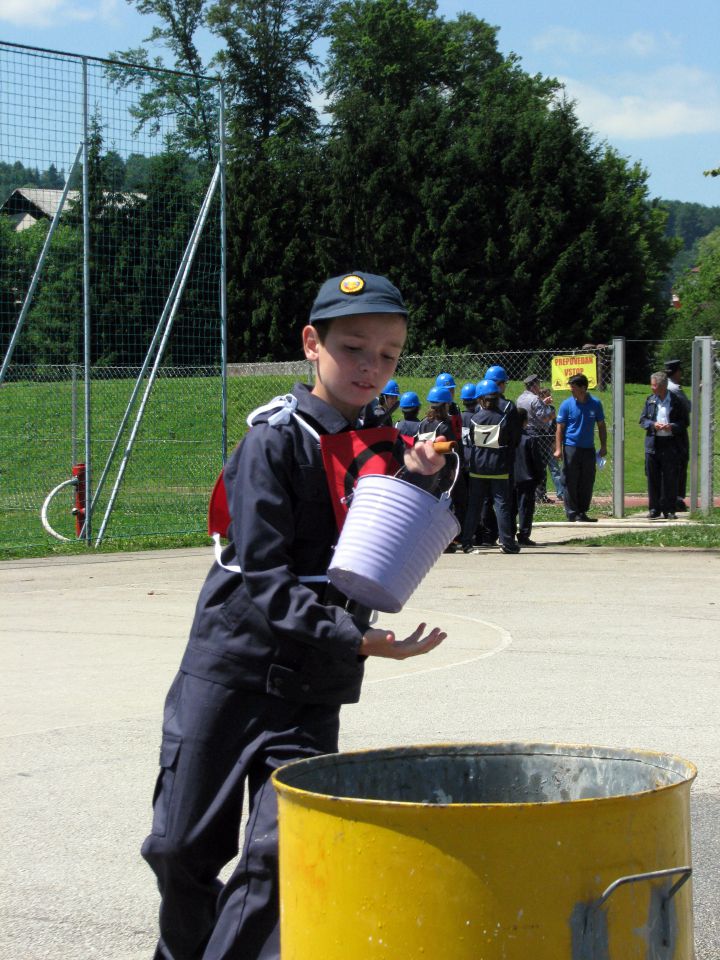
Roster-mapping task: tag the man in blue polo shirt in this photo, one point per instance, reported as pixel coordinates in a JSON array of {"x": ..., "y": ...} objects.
[{"x": 575, "y": 444}]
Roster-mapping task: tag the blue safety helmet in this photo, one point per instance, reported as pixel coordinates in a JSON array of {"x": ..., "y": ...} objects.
[
  {"x": 497, "y": 374},
  {"x": 409, "y": 400},
  {"x": 391, "y": 389},
  {"x": 439, "y": 395},
  {"x": 468, "y": 392},
  {"x": 487, "y": 387},
  {"x": 445, "y": 380}
]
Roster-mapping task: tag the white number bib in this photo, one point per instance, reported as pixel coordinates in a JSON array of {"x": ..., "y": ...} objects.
[{"x": 487, "y": 434}]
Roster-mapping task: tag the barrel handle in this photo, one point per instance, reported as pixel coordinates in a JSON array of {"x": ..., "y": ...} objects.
[{"x": 685, "y": 873}]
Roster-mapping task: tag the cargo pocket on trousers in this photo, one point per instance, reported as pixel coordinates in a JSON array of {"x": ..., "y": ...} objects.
[{"x": 169, "y": 751}]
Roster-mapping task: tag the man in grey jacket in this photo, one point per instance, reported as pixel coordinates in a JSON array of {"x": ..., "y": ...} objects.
[{"x": 541, "y": 424}]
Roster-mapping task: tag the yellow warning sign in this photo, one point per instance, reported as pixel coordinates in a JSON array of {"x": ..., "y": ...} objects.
[{"x": 562, "y": 368}]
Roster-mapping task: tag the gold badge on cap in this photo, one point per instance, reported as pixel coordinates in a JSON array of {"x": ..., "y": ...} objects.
[{"x": 352, "y": 284}]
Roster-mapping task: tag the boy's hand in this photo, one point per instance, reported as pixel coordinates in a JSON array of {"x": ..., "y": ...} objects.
[
  {"x": 382, "y": 643},
  {"x": 422, "y": 458}
]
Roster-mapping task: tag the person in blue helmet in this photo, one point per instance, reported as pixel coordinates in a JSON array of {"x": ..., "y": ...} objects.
[
  {"x": 468, "y": 398},
  {"x": 274, "y": 649},
  {"x": 491, "y": 460},
  {"x": 437, "y": 425},
  {"x": 488, "y": 521},
  {"x": 505, "y": 405},
  {"x": 387, "y": 403},
  {"x": 409, "y": 424},
  {"x": 448, "y": 381},
  {"x": 459, "y": 490}
]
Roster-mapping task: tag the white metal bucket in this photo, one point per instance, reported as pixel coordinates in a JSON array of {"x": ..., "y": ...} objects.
[{"x": 393, "y": 534}]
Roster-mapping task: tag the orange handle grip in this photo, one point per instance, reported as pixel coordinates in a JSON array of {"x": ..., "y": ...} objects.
[{"x": 444, "y": 446}]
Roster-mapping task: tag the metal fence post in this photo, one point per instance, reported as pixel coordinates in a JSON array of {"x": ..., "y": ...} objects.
[
  {"x": 618, "y": 431},
  {"x": 706, "y": 424},
  {"x": 223, "y": 278},
  {"x": 87, "y": 334},
  {"x": 695, "y": 422},
  {"x": 73, "y": 413}
]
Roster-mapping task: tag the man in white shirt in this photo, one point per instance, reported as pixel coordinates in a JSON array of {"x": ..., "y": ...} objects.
[
  {"x": 673, "y": 368},
  {"x": 665, "y": 420}
]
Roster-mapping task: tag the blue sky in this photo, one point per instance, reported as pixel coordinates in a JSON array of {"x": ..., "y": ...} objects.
[{"x": 645, "y": 74}]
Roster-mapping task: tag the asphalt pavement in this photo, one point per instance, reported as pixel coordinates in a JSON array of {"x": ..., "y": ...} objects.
[{"x": 561, "y": 643}]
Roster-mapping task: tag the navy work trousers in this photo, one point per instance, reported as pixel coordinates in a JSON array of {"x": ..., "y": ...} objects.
[
  {"x": 662, "y": 468},
  {"x": 579, "y": 479},
  {"x": 216, "y": 743},
  {"x": 499, "y": 490},
  {"x": 524, "y": 506}
]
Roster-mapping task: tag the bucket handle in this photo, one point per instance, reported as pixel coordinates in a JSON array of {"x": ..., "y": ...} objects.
[
  {"x": 445, "y": 495},
  {"x": 685, "y": 874}
]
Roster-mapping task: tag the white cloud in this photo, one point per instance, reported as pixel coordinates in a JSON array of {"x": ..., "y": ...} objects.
[
  {"x": 670, "y": 102},
  {"x": 562, "y": 40},
  {"x": 566, "y": 42},
  {"x": 50, "y": 13}
]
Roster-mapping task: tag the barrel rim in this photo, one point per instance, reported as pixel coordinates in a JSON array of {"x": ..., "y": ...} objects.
[{"x": 685, "y": 768}]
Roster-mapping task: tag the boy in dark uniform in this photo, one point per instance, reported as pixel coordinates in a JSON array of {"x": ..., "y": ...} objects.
[
  {"x": 410, "y": 407},
  {"x": 274, "y": 650},
  {"x": 491, "y": 459},
  {"x": 529, "y": 471},
  {"x": 387, "y": 404}
]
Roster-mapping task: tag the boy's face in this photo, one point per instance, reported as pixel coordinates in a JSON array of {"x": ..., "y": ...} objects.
[{"x": 358, "y": 357}]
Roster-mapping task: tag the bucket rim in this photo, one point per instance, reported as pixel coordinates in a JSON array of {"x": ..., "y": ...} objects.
[
  {"x": 685, "y": 768},
  {"x": 399, "y": 480}
]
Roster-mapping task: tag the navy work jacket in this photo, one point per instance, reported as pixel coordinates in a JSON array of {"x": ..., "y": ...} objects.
[
  {"x": 262, "y": 629},
  {"x": 678, "y": 421}
]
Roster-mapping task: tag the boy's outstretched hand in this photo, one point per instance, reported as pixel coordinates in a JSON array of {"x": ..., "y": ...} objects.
[{"x": 382, "y": 643}]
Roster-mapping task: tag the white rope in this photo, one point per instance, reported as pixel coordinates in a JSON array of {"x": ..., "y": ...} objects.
[
  {"x": 236, "y": 568},
  {"x": 46, "y": 504}
]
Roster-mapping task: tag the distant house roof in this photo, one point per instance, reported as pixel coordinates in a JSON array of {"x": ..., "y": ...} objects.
[{"x": 27, "y": 205}]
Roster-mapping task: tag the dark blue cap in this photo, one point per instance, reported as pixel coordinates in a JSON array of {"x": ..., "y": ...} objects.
[{"x": 355, "y": 293}]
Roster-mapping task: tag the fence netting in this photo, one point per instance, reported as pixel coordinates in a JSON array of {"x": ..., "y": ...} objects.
[
  {"x": 178, "y": 452},
  {"x": 715, "y": 416},
  {"x": 85, "y": 316},
  {"x": 111, "y": 313}
]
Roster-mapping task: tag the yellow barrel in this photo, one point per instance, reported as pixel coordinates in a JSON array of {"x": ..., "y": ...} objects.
[{"x": 505, "y": 851}]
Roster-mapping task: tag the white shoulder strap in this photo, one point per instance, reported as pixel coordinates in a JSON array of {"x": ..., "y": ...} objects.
[
  {"x": 285, "y": 407},
  {"x": 428, "y": 435},
  {"x": 236, "y": 568}
]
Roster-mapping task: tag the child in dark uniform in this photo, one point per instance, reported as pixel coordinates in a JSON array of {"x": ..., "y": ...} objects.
[
  {"x": 273, "y": 651},
  {"x": 437, "y": 425},
  {"x": 490, "y": 465},
  {"x": 410, "y": 407},
  {"x": 387, "y": 404},
  {"x": 528, "y": 473}
]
